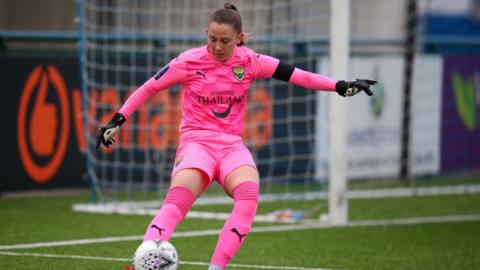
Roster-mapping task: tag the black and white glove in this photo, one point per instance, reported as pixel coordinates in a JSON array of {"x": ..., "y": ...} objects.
[
  {"x": 106, "y": 133},
  {"x": 351, "y": 88}
]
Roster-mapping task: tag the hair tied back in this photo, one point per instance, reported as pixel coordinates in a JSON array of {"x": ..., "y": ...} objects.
[{"x": 230, "y": 6}]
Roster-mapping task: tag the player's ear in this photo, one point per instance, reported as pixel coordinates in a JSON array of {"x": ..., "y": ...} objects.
[{"x": 241, "y": 38}]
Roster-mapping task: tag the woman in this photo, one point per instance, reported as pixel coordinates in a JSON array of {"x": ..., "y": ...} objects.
[{"x": 215, "y": 80}]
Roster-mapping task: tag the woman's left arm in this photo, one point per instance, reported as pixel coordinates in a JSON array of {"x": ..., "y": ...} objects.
[
  {"x": 316, "y": 81},
  {"x": 267, "y": 66}
]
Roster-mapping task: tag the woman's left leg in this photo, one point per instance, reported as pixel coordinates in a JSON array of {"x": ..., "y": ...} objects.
[{"x": 243, "y": 185}]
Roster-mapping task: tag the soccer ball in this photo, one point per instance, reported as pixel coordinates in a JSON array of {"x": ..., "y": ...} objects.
[{"x": 155, "y": 255}]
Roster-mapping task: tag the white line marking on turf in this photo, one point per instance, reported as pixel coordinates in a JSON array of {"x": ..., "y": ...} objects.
[
  {"x": 281, "y": 228},
  {"x": 73, "y": 242},
  {"x": 62, "y": 256}
]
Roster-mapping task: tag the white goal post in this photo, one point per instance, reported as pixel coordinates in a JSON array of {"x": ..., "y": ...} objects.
[{"x": 339, "y": 55}]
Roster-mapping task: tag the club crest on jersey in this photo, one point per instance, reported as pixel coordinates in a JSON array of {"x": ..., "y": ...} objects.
[{"x": 239, "y": 72}]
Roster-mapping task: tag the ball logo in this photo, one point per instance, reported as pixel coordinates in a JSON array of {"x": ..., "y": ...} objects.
[{"x": 43, "y": 125}]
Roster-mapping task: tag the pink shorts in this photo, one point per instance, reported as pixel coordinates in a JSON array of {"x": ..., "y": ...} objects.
[{"x": 215, "y": 153}]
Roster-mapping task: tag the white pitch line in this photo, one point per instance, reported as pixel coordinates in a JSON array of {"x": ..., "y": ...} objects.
[
  {"x": 281, "y": 228},
  {"x": 60, "y": 256},
  {"x": 79, "y": 257},
  {"x": 73, "y": 242},
  {"x": 104, "y": 240}
]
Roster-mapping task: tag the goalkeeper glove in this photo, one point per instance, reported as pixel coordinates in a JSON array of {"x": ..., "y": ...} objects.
[
  {"x": 106, "y": 133},
  {"x": 351, "y": 88}
]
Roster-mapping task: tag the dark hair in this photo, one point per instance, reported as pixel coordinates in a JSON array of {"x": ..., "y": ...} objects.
[{"x": 229, "y": 15}]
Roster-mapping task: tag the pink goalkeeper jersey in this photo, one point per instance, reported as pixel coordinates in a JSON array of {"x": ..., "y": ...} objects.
[{"x": 214, "y": 93}]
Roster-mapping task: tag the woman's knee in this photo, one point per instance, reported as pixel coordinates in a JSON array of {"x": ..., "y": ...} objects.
[
  {"x": 195, "y": 180},
  {"x": 238, "y": 176}
]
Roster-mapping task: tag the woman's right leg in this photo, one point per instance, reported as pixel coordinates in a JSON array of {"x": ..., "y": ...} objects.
[{"x": 186, "y": 186}]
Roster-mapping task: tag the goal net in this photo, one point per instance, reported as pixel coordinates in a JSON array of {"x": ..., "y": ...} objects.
[{"x": 123, "y": 43}]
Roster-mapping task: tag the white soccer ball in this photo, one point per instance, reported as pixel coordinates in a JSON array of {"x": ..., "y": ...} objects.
[{"x": 155, "y": 255}]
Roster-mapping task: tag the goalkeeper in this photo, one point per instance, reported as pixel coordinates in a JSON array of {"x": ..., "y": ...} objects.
[{"x": 215, "y": 79}]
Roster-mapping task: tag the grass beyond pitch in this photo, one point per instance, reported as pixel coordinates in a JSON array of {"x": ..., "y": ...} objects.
[{"x": 424, "y": 246}]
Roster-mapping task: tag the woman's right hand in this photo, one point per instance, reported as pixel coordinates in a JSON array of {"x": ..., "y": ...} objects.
[{"x": 105, "y": 134}]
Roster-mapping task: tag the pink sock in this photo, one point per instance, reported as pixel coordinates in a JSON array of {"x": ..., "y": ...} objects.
[
  {"x": 238, "y": 224},
  {"x": 175, "y": 207}
]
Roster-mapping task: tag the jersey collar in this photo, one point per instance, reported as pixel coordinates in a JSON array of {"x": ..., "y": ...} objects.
[{"x": 228, "y": 62}]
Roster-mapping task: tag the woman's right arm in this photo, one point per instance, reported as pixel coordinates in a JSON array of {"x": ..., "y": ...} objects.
[{"x": 173, "y": 73}]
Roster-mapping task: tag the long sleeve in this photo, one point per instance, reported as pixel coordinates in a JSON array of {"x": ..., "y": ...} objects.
[
  {"x": 266, "y": 66},
  {"x": 312, "y": 80},
  {"x": 173, "y": 73}
]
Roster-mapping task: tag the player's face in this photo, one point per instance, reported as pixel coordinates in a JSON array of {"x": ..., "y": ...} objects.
[{"x": 222, "y": 40}]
